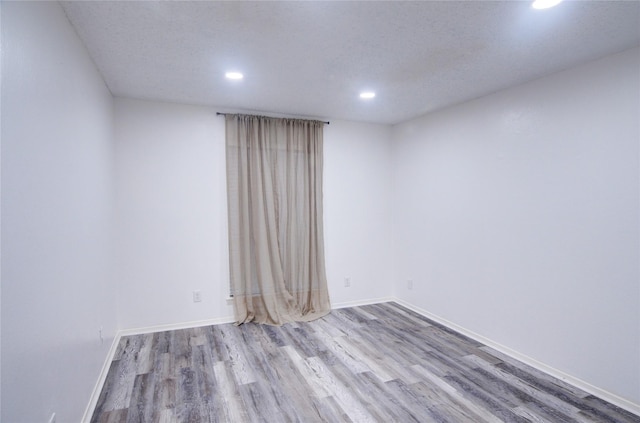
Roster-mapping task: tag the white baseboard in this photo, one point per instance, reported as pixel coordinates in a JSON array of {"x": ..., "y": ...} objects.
[
  {"x": 93, "y": 400},
  {"x": 176, "y": 326},
  {"x": 346, "y": 304},
  {"x": 572, "y": 380}
]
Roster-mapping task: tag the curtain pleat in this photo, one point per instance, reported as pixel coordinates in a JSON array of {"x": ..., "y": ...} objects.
[{"x": 276, "y": 243}]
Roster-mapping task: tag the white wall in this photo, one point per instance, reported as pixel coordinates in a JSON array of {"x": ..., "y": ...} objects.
[
  {"x": 171, "y": 205},
  {"x": 357, "y": 211},
  {"x": 171, "y": 202},
  {"x": 56, "y": 216},
  {"x": 516, "y": 215}
]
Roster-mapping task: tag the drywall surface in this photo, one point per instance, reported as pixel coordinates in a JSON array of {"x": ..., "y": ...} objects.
[
  {"x": 172, "y": 216},
  {"x": 56, "y": 217},
  {"x": 516, "y": 216},
  {"x": 171, "y": 213},
  {"x": 357, "y": 211}
]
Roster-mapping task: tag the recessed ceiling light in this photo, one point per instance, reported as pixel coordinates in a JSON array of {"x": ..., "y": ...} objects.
[
  {"x": 234, "y": 75},
  {"x": 545, "y": 4},
  {"x": 367, "y": 94}
]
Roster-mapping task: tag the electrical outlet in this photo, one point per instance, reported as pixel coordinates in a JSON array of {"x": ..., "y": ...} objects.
[
  {"x": 347, "y": 282},
  {"x": 52, "y": 419},
  {"x": 197, "y": 296},
  {"x": 409, "y": 283},
  {"x": 100, "y": 335}
]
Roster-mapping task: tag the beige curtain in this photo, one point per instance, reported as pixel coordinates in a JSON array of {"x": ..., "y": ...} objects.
[{"x": 276, "y": 244}]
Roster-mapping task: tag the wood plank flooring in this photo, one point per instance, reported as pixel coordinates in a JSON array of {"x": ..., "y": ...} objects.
[{"x": 374, "y": 363}]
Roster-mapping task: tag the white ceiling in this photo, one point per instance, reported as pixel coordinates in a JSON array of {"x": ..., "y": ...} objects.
[{"x": 313, "y": 58}]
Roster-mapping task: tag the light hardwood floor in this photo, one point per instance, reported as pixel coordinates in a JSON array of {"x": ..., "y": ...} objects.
[{"x": 374, "y": 363}]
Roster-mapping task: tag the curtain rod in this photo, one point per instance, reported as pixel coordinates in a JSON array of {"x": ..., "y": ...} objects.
[{"x": 323, "y": 121}]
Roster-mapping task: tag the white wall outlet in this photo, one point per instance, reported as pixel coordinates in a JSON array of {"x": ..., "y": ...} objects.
[
  {"x": 100, "y": 335},
  {"x": 347, "y": 282},
  {"x": 197, "y": 296},
  {"x": 409, "y": 283},
  {"x": 52, "y": 419}
]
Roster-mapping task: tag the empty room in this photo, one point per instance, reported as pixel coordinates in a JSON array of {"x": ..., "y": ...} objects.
[{"x": 319, "y": 211}]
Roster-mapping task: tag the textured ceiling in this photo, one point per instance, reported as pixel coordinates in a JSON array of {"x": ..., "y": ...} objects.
[{"x": 313, "y": 58}]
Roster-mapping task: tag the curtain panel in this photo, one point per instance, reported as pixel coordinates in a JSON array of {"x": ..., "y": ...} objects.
[{"x": 276, "y": 243}]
